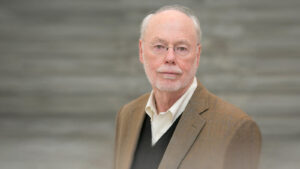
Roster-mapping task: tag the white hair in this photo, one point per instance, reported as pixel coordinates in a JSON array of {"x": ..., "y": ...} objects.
[{"x": 179, "y": 8}]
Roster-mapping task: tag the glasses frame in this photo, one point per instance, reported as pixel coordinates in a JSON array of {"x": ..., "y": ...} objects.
[{"x": 165, "y": 48}]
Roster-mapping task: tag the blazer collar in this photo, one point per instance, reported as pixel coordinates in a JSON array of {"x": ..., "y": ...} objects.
[{"x": 187, "y": 130}]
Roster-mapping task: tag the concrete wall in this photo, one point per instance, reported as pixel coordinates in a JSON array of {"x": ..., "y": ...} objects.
[{"x": 66, "y": 68}]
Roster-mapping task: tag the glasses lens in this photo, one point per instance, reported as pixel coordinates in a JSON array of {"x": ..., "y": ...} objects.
[
  {"x": 181, "y": 50},
  {"x": 158, "y": 49},
  {"x": 161, "y": 49}
]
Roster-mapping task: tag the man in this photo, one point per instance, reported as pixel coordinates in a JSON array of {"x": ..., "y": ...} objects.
[{"x": 180, "y": 124}]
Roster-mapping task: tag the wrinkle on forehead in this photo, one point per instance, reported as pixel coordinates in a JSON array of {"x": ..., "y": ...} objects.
[{"x": 171, "y": 22}]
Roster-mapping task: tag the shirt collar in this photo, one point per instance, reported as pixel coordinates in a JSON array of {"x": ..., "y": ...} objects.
[
  {"x": 151, "y": 106},
  {"x": 176, "y": 108}
]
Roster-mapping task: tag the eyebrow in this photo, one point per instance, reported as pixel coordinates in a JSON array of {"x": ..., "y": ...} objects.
[
  {"x": 157, "y": 39},
  {"x": 182, "y": 42}
]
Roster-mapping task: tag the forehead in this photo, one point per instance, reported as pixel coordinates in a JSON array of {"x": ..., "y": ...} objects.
[{"x": 172, "y": 26}]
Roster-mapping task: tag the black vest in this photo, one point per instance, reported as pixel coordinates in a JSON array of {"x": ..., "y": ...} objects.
[{"x": 147, "y": 156}]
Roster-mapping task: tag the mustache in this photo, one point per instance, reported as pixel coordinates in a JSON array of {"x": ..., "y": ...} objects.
[{"x": 169, "y": 69}]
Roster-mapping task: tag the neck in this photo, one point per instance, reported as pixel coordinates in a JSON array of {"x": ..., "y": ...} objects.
[{"x": 165, "y": 99}]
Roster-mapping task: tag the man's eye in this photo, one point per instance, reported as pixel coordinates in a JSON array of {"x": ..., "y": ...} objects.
[
  {"x": 181, "y": 49},
  {"x": 159, "y": 47}
]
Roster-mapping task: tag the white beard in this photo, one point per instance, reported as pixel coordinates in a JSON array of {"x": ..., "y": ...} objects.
[{"x": 167, "y": 85}]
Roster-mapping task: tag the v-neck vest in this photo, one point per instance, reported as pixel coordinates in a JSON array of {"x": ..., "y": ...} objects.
[{"x": 147, "y": 156}]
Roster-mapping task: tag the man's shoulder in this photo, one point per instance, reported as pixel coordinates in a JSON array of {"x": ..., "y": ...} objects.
[
  {"x": 223, "y": 108},
  {"x": 225, "y": 115},
  {"x": 218, "y": 107}
]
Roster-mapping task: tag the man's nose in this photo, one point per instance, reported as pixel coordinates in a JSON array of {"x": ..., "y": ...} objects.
[{"x": 170, "y": 57}]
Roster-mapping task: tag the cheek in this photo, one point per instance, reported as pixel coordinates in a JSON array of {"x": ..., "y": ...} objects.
[
  {"x": 186, "y": 65},
  {"x": 152, "y": 62}
]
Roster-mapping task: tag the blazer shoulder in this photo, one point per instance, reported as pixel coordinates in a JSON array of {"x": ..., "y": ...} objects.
[
  {"x": 232, "y": 119},
  {"x": 223, "y": 108}
]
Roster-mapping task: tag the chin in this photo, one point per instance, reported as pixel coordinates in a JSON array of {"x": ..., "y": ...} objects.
[{"x": 169, "y": 86}]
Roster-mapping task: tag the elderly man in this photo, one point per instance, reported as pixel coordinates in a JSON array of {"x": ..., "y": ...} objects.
[{"x": 180, "y": 124}]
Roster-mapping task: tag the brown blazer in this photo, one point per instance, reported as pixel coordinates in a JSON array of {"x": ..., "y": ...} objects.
[{"x": 211, "y": 134}]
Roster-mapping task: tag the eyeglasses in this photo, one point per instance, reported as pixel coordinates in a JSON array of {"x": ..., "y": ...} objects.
[{"x": 161, "y": 49}]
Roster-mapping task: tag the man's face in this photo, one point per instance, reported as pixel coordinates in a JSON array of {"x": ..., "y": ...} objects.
[{"x": 169, "y": 51}]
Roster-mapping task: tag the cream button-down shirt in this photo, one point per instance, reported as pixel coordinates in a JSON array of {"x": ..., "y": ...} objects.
[{"x": 160, "y": 123}]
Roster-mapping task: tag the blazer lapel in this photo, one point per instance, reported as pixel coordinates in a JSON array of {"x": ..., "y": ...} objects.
[
  {"x": 188, "y": 128},
  {"x": 137, "y": 117}
]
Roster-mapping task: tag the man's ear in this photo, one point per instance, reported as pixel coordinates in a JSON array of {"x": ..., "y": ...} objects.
[
  {"x": 141, "y": 51},
  {"x": 199, "y": 48}
]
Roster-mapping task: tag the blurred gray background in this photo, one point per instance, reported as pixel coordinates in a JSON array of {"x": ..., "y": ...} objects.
[{"x": 67, "y": 67}]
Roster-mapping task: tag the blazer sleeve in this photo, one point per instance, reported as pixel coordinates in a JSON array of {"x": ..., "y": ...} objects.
[
  {"x": 243, "y": 151},
  {"x": 117, "y": 140}
]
